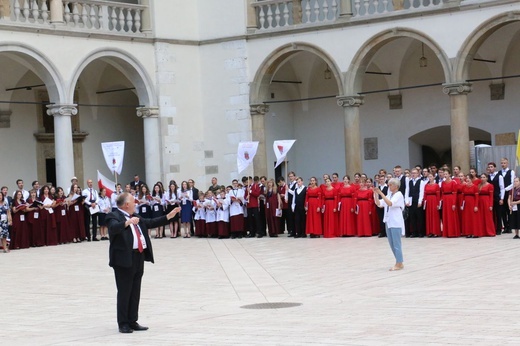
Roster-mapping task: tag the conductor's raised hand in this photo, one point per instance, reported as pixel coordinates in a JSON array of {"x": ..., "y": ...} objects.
[{"x": 172, "y": 213}]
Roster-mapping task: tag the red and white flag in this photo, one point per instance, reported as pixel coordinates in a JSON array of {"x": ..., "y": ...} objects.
[
  {"x": 281, "y": 148},
  {"x": 107, "y": 184},
  {"x": 245, "y": 155}
]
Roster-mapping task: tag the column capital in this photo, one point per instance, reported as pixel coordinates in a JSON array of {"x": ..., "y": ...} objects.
[
  {"x": 350, "y": 101},
  {"x": 258, "y": 109},
  {"x": 63, "y": 109},
  {"x": 462, "y": 88},
  {"x": 147, "y": 112}
]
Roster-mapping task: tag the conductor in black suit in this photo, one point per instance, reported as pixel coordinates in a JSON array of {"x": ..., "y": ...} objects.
[{"x": 130, "y": 246}]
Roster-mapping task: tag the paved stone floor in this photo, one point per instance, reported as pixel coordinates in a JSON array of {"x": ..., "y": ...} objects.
[{"x": 452, "y": 291}]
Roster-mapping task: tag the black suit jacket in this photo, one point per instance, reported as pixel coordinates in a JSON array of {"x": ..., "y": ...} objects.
[{"x": 122, "y": 238}]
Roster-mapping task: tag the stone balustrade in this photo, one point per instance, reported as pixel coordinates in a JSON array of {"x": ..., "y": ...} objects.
[
  {"x": 83, "y": 15},
  {"x": 284, "y": 14}
]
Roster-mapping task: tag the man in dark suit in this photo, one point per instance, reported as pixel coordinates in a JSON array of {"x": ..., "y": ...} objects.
[
  {"x": 130, "y": 246},
  {"x": 134, "y": 184},
  {"x": 299, "y": 209}
]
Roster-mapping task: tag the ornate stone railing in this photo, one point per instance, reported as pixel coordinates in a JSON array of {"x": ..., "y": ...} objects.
[
  {"x": 363, "y": 8},
  {"x": 282, "y": 13},
  {"x": 83, "y": 15}
]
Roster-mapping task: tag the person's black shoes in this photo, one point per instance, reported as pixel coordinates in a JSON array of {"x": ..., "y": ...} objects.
[
  {"x": 125, "y": 328},
  {"x": 137, "y": 327}
]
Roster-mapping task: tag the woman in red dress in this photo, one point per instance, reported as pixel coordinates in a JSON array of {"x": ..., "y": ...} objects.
[
  {"x": 62, "y": 220},
  {"x": 469, "y": 209},
  {"x": 75, "y": 213},
  {"x": 347, "y": 218},
  {"x": 48, "y": 220},
  {"x": 486, "y": 223},
  {"x": 313, "y": 207},
  {"x": 450, "y": 215},
  {"x": 34, "y": 217},
  {"x": 432, "y": 197},
  {"x": 20, "y": 239},
  {"x": 363, "y": 200},
  {"x": 330, "y": 208},
  {"x": 273, "y": 203},
  {"x": 474, "y": 177}
]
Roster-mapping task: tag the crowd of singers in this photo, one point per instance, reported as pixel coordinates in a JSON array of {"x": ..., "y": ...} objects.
[{"x": 438, "y": 203}]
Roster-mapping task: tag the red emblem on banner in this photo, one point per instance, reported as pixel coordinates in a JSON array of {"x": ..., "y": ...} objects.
[
  {"x": 114, "y": 161},
  {"x": 246, "y": 155},
  {"x": 280, "y": 148}
]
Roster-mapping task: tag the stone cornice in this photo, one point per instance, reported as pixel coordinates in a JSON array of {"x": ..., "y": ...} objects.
[
  {"x": 350, "y": 101},
  {"x": 457, "y": 88}
]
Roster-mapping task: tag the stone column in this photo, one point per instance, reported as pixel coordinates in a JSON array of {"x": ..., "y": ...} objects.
[
  {"x": 258, "y": 112},
  {"x": 251, "y": 16},
  {"x": 56, "y": 8},
  {"x": 350, "y": 106},
  {"x": 152, "y": 150},
  {"x": 459, "y": 123},
  {"x": 297, "y": 11},
  {"x": 63, "y": 146}
]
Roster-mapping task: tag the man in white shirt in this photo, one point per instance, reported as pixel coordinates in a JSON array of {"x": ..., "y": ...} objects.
[
  {"x": 25, "y": 193},
  {"x": 509, "y": 177},
  {"x": 413, "y": 200},
  {"x": 91, "y": 199}
]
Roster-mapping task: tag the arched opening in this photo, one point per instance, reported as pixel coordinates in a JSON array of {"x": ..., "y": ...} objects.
[
  {"x": 26, "y": 75},
  {"x": 300, "y": 84},
  {"x": 400, "y": 73},
  {"x": 489, "y": 60},
  {"x": 434, "y": 145}
]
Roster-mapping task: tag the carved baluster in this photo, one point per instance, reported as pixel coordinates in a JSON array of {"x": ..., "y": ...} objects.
[
  {"x": 316, "y": 11},
  {"x": 26, "y": 11},
  {"x": 84, "y": 14},
  {"x": 325, "y": 10},
  {"x": 113, "y": 17},
  {"x": 334, "y": 9},
  {"x": 357, "y": 6},
  {"x": 376, "y": 6},
  {"x": 16, "y": 10},
  {"x": 366, "y": 4},
  {"x": 129, "y": 20},
  {"x": 385, "y": 6},
  {"x": 137, "y": 20},
  {"x": 66, "y": 12},
  {"x": 277, "y": 14},
  {"x": 35, "y": 10},
  {"x": 307, "y": 11},
  {"x": 45, "y": 11},
  {"x": 93, "y": 16},
  {"x": 261, "y": 16},
  {"x": 75, "y": 14},
  {"x": 121, "y": 20},
  {"x": 286, "y": 14},
  {"x": 269, "y": 17}
]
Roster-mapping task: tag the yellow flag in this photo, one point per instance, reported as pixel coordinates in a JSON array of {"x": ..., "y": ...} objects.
[{"x": 518, "y": 149}]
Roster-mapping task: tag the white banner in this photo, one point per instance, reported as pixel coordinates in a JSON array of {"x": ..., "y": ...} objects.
[
  {"x": 104, "y": 182},
  {"x": 281, "y": 148},
  {"x": 245, "y": 155},
  {"x": 114, "y": 153}
]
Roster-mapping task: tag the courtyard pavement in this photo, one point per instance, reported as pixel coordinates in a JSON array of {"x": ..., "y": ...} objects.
[{"x": 452, "y": 291}]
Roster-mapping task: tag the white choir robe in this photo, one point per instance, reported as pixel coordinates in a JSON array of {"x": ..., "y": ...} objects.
[
  {"x": 199, "y": 210},
  {"x": 211, "y": 215},
  {"x": 235, "y": 207},
  {"x": 223, "y": 212}
]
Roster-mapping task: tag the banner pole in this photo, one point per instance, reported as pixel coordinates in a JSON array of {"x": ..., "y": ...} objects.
[{"x": 115, "y": 176}]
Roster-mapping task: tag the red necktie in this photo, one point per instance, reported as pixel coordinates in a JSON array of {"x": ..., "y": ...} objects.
[
  {"x": 90, "y": 194},
  {"x": 138, "y": 235}
]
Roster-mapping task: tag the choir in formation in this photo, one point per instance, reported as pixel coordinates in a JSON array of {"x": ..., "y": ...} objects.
[{"x": 438, "y": 202}]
